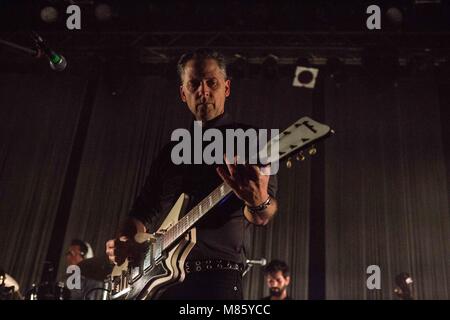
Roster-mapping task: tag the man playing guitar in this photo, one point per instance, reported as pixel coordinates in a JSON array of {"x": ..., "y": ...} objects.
[{"x": 214, "y": 265}]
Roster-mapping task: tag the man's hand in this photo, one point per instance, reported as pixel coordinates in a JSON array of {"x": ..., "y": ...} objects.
[
  {"x": 247, "y": 181},
  {"x": 124, "y": 246},
  {"x": 250, "y": 184},
  {"x": 118, "y": 250}
]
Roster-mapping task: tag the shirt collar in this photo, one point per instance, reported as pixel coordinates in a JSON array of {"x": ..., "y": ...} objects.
[{"x": 219, "y": 121}]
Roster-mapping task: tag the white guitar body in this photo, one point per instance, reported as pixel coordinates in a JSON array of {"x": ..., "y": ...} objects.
[
  {"x": 162, "y": 265},
  {"x": 161, "y": 274}
]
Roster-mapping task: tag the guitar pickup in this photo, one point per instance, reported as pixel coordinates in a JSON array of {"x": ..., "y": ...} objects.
[
  {"x": 135, "y": 272},
  {"x": 148, "y": 259}
]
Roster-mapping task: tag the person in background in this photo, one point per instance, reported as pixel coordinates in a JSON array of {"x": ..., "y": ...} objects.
[
  {"x": 78, "y": 253},
  {"x": 277, "y": 278}
]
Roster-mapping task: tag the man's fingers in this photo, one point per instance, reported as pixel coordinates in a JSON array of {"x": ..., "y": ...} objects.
[
  {"x": 117, "y": 250},
  {"x": 223, "y": 174},
  {"x": 232, "y": 169},
  {"x": 228, "y": 160},
  {"x": 252, "y": 171},
  {"x": 230, "y": 165},
  {"x": 265, "y": 171},
  {"x": 226, "y": 177}
]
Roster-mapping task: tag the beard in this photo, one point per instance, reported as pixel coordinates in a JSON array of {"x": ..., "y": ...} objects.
[{"x": 276, "y": 292}]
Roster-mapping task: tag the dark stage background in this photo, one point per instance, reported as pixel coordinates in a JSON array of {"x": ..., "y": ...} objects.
[
  {"x": 76, "y": 146},
  {"x": 385, "y": 174}
]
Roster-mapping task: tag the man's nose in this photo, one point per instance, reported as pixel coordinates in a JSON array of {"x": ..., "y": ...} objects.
[{"x": 204, "y": 89}]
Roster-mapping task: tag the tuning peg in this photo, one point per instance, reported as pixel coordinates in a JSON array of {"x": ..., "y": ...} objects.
[
  {"x": 289, "y": 163},
  {"x": 300, "y": 156},
  {"x": 312, "y": 151}
]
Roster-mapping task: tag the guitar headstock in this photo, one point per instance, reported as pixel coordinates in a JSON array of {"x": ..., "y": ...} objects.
[{"x": 297, "y": 141}]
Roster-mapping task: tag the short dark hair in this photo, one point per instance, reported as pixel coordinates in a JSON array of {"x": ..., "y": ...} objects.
[
  {"x": 201, "y": 54},
  {"x": 83, "y": 247},
  {"x": 277, "y": 265}
]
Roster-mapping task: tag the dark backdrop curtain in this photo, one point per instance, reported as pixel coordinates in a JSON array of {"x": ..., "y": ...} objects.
[
  {"x": 38, "y": 117},
  {"x": 276, "y": 104},
  {"x": 126, "y": 132},
  {"x": 386, "y": 188}
]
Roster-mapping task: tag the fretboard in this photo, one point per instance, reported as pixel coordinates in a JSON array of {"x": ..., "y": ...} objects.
[{"x": 188, "y": 221}]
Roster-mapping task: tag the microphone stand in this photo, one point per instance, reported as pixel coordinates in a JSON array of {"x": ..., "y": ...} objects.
[
  {"x": 249, "y": 264},
  {"x": 57, "y": 62},
  {"x": 247, "y": 269},
  {"x": 35, "y": 53}
]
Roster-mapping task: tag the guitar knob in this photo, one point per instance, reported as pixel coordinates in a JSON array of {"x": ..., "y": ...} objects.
[
  {"x": 289, "y": 163},
  {"x": 312, "y": 151},
  {"x": 300, "y": 157}
]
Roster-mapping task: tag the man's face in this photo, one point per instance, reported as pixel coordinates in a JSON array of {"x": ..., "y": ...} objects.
[
  {"x": 204, "y": 89},
  {"x": 277, "y": 283},
  {"x": 73, "y": 255}
]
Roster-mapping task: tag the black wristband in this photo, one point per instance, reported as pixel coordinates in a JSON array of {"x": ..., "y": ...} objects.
[{"x": 263, "y": 206}]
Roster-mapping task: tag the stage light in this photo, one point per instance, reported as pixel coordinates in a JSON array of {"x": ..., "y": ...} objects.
[
  {"x": 103, "y": 12},
  {"x": 239, "y": 67},
  {"x": 395, "y": 16},
  {"x": 305, "y": 76},
  {"x": 49, "y": 14},
  {"x": 270, "y": 66}
]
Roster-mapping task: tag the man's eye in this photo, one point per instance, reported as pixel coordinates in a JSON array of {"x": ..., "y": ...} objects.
[
  {"x": 212, "y": 83},
  {"x": 193, "y": 84}
]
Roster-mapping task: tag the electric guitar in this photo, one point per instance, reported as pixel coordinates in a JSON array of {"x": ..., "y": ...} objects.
[{"x": 162, "y": 262}]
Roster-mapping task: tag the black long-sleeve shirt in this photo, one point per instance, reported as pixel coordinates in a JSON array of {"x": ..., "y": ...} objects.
[{"x": 220, "y": 233}]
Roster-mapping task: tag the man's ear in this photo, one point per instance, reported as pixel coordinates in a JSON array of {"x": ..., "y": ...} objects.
[
  {"x": 182, "y": 95},
  {"x": 227, "y": 87},
  {"x": 288, "y": 280}
]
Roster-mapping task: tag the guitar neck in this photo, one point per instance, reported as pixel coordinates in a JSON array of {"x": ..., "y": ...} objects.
[
  {"x": 197, "y": 212},
  {"x": 294, "y": 139}
]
